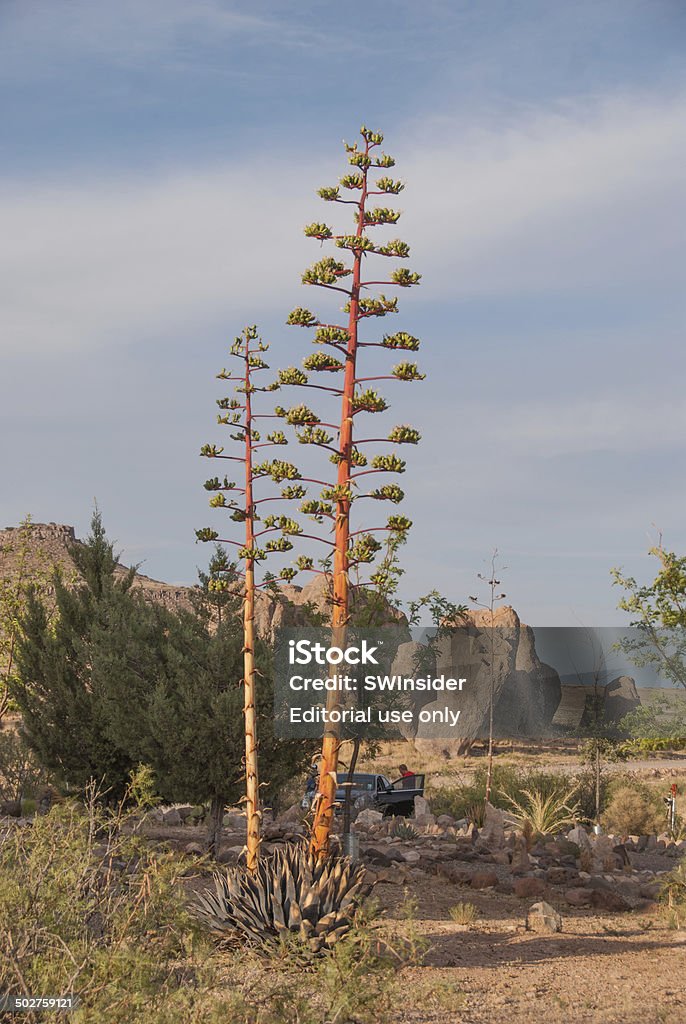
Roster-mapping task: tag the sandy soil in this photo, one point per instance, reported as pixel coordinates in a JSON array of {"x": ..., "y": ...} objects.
[{"x": 623, "y": 969}]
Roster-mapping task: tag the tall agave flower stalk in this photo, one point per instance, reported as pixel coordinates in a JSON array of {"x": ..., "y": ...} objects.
[
  {"x": 338, "y": 357},
  {"x": 237, "y": 413}
]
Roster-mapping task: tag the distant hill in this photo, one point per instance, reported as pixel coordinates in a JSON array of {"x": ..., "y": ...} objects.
[{"x": 49, "y": 545}]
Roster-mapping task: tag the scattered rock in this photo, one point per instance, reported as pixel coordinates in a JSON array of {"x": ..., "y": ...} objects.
[
  {"x": 606, "y": 899},
  {"x": 492, "y": 834},
  {"x": 385, "y": 857},
  {"x": 183, "y": 810},
  {"x": 368, "y": 817},
  {"x": 229, "y": 855},
  {"x": 483, "y": 879},
  {"x": 601, "y": 856},
  {"x": 171, "y": 816},
  {"x": 458, "y": 875},
  {"x": 521, "y": 862},
  {"x": 292, "y": 814},
  {"x": 580, "y": 838},
  {"x": 562, "y": 876},
  {"x": 194, "y": 848},
  {"x": 543, "y": 918},
  {"x": 526, "y": 888},
  {"x": 422, "y": 807},
  {"x": 579, "y": 897},
  {"x": 621, "y": 697},
  {"x": 620, "y": 852}
]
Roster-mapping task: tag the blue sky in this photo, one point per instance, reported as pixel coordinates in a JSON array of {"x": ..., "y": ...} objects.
[{"x": 159, "y": 161}]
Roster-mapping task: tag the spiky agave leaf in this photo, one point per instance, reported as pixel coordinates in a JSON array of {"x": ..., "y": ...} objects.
[{"x": 291, "y": 895}]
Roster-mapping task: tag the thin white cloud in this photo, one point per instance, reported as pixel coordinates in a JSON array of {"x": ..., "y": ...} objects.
[
  {"x": 562, "y": 424},
  {"x": 588, "y": 196},
  {"x": 581, "y": 201},
  {"x": 40, "y": 35}
]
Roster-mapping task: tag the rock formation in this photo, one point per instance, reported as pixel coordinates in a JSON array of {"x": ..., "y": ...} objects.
[
  {"x": 621, "y": 697},
  {"x": 501, "y": 660}
]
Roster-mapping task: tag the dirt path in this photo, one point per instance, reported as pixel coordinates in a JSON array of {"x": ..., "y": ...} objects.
[{"x": 605, "y": 969}]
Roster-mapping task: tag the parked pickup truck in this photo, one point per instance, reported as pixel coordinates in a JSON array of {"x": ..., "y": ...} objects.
[{"x": 379, "y": 793}]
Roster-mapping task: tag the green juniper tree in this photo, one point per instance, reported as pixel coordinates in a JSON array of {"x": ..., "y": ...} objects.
[
  {"x": 337, "y": 359},
  {"x": 174, "y": 700},
  {"x": 63, "y": 712}
]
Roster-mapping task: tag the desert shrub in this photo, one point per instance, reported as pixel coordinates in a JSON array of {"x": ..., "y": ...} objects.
[
  {"x": 585, "y": 783},
  {"x": 20, "y": 773},
  {"x": 633, "y": 809},
  {"x": 673, "y": 895},
  {"x": 88, "y": 907},
  {"x": 463, "y": 913},
  {"x": 454, "y": 800},
  {"x": 508, "y": 784}
]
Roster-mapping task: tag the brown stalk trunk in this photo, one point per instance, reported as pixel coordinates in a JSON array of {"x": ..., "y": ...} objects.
[
  {"x": 252, "y": 812},
  {"x": 324, "y": 810}
]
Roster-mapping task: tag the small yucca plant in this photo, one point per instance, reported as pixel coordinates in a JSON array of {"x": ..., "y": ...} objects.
[
  {"x": 291, "y": 895},
  {"x": 476, "y": 813},
  {"x": 401, "y": 830},
  {"x": 543, "y": 814}
]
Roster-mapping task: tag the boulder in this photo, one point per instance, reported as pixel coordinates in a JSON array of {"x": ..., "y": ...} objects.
[
  {"x": 621, "y": 697},
  {"x": 580, "y": 838},
  {"x": 185, "y": 810},
  {"x": 230, "y": 854},
  {"x": 562, "y": 875},
  {"x": 543, "y": 918},
  {"x": 386, "y": 856},
  {"x": 170, "y": 816},
  {"x": 422, "y": 807},
  {"x": 291, "y": 815},
  {"x": 521, "y": 862},
  {"x": 368, "y": 817},
  {"x": 492, "y": 833},
  {"x": 526, "y": 888},
  {"x": 604, "y": 856},
  {"x": 405, "y": 664},
  {"x": 483, "y": 879},
  {"x": 578, "y": 896},
  {"x": 526, "y": 692},
  {"x": 607, "y": 899}
]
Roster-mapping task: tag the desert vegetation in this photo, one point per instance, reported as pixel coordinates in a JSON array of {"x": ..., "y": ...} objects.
[{"x": 156, "y": 861}]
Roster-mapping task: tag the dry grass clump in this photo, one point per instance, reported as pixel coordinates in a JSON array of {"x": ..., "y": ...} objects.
[{"x": 463, "y": 913}]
